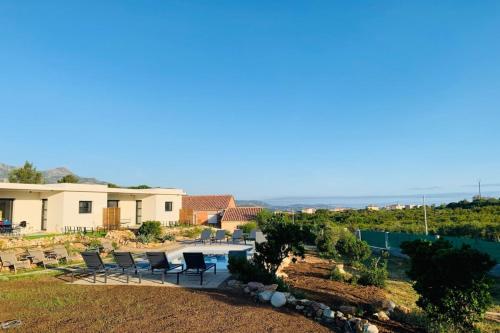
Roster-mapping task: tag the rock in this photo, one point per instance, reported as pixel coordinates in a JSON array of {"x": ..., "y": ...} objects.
[
  {"x": 304, "y": 302},
  {"x": 370, "y": 328},
  {"x": 348, "y": 309},
  {"x": 339, "y": 314},
  {"x": 265, "y": 296},
  {"x": 271, "y": 287},
  {"x": 278, "y": 299},
  {"x": 255, "y": 285},
  {"x": 329, "y": 313},
  {"x": 246, "y": 290},
  {"x": 291, "y": 300},
  {"x": 299, "y": 307},
  {"x": 381, "y": 315},
  {"x": 315, "y": 306},
  {"x": 319, "y": 313}
]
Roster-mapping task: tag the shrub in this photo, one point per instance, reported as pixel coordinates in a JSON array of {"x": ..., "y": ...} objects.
[
  {"x": 247, "y": 271},
  {"x": 191, "y": 232},
  {"x": 247, "y": 227},
  {"x": 94, "y": 243},
  {"x": 115, "y": 245},
  {"x": 144, "y": 239},
  {"x": 352, "y": 248},
  {"x": 452, "y": 283},
  {"x": 336, "y": 275},
  {"x": 150, "y": 229},
  {"x": 326, "y": 239},
  {"x": 374, "y": 275},
  {"x": 168, "y": 237}
]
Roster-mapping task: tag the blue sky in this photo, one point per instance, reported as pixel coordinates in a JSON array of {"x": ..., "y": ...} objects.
[{"x": 260, "y": 99}]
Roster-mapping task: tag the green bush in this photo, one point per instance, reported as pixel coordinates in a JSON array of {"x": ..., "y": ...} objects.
[
  {"x": 247, "y": 227},
  {"x": 326, "y": 239},
  {"x": 150, "y": 229},
  {"x": 144, "y": 239},
  {"x": 336, "y": 275},
  {"x": 191, "y": 232},
  {"x": 453, "y": 284},
  {"x": 94, "y": 244},
  {"x": 353, "y": 249},
  {"x": 247, "y": 271},
  {"x": 374, "y": 274},
  {"x": 168, "y": 237}
]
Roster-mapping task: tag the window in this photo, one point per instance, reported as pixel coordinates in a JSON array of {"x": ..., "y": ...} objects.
[
  {"x": 85, "y": 207},
  {"x": 168, "y": 206},
  {"x": 138, "y": 212},
  {"x": 113, "y": 203}
]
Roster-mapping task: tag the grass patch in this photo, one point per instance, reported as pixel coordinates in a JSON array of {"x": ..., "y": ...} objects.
[{"x": 39, "y": 236}]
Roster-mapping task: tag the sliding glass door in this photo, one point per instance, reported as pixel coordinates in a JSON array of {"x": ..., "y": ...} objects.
[{"x": 6, "y": 207}]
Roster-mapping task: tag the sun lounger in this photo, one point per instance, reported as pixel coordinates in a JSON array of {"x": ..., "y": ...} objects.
[
  {"x": 205, "y": 236},
  {"x": 9, "y": 259},
  {"x": 195, "y": 264},
  {"x": 38, "y": 258},
  {"x": 61, "y": 254},
  {"x": 237, "y": 236},
  {"x": 159, "y": 261},
  {"x": 93, "y": 265},
  {"x": 220, "y": 235},
  {"x": 126, "y": 264}
]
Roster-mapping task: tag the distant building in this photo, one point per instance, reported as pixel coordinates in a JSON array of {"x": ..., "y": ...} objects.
[
  {"x": 395, "y": 207},
  {"x": 372, "y": 207},
  {"x": 410, "y": 206},
  {"x": 339, "y": 209},
  {"x": 308, "y": 210}
]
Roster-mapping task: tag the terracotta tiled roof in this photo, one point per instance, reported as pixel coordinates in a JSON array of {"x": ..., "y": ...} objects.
[
  {"x": 207, "y": 202},
  {"x": 241, "y": 214}
]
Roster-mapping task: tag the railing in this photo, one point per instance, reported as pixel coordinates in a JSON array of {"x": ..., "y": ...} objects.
[{"x": 79, "y": 230}]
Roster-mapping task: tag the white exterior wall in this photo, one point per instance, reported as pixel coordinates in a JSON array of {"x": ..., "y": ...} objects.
[
  {"x": 70, "y": 208},
  {"x": 26, "y": 207}
]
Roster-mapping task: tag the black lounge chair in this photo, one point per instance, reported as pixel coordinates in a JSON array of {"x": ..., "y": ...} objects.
[
  {"x": 159, "y": 260},
  {"x": 237, "y": 236},
  {"x": 94, "y": 265},
  {"x": 206, "y": 236},
  {"x": 126, "y": 264},
  {"x": 195, "y": 264}
]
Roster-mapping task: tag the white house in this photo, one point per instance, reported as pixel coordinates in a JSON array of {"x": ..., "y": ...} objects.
[{"x": 52, "y": 207}]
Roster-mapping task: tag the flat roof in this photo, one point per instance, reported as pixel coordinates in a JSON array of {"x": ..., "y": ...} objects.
[{"x": 86, "y": 188}]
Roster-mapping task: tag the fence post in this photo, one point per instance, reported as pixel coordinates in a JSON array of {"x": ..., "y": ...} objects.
[
  {"x": 358, "y": 234},
  {"x": 387, "y": 240}
]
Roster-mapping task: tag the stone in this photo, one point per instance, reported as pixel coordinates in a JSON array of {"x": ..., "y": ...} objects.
[
  {"x": 299, "y": 307},
  {"x": 278, "y": 299},
  {"x": 322, "y": 306},
  {"x": 339, "y": 314},
  {"x": 255, "y": 285},
  {"x": 246, "y": 290},
  {"x": 265, "y": 296},
  {"x": 381, "y": 315},
  {"x": 315, "y": 306},
  {"x": 347, "y": 309},
  {"x": 329, "y": 313},
  {"x": 291, "y": 300},
  {"x": 271, "y": 287},
  {"x": 370, "y": 328},
  {"x": 304, "y": 301}
]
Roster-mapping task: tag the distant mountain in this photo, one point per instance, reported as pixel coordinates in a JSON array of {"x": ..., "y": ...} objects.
[
  {"x": 251, "y": 203},
  {"x": 50, "y": 176}
]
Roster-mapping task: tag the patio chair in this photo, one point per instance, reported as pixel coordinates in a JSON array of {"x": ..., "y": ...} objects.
[
  {"x": 195, "y": 264},
  {"x": 9, "y": 259},
  {"x": 60, "y": 253},
  {"x": 93, "y": 265},
  {"x": 126, "y": 263},
  {"x": 220, "y": 235},
  {"x": 38, "y": 258},
  {"x": 237, "y": 236},
  {"x": 205, "y": 236},
  {"x": 159, "y": 260}
]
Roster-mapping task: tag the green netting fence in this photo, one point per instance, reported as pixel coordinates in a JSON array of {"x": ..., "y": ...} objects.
[{"x": 387, "y": 240}]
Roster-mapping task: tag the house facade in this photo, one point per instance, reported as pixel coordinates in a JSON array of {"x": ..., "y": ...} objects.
[
  {"x": 54, "y": 207},
  {"x": 205, "y": 209},
  {"x": 237, "y": 216}
]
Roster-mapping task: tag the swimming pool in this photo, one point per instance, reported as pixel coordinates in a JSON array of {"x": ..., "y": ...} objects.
[{"x": 216, "y": 254}]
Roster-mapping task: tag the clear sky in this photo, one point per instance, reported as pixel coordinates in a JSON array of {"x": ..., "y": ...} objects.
[{"x": 259, "y": 98}]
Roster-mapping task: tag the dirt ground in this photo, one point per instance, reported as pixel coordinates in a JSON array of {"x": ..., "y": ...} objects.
[
  {"x": 46, "y": 304},
  {"x": 312, "y": 277}
]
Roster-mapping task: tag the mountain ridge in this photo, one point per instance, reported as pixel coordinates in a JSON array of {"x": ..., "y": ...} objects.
[{"x": 50, "y": 176}]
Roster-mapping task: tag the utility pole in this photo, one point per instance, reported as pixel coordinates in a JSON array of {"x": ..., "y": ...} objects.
[
  {"x": 479, "y": 189},
  {"x": 425, "y": 216}
]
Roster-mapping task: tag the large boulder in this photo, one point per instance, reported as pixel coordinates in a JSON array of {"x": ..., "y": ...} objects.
[
  {"x": 278, "y": 299},
  {"x": 329, "y": 313},
  {"x": 255, "y": 286},
  {"x": 370, "y": 328},
  {"x": 265, "y": 296},
  {"x": 381, "y": 315}
]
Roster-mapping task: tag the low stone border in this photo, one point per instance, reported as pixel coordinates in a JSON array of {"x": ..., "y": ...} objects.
[{"x": 342, "y": 319}]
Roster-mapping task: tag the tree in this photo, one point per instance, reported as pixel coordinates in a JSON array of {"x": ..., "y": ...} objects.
[
  {"x": 353, "y": 249},
  {"x": 284, "y": 238},
  {"x": 452, "y": 282},
  {"x": 27, "y": 174},
  {"x": 69, "y": 179},
  {"x": 140, "y": 187}
]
